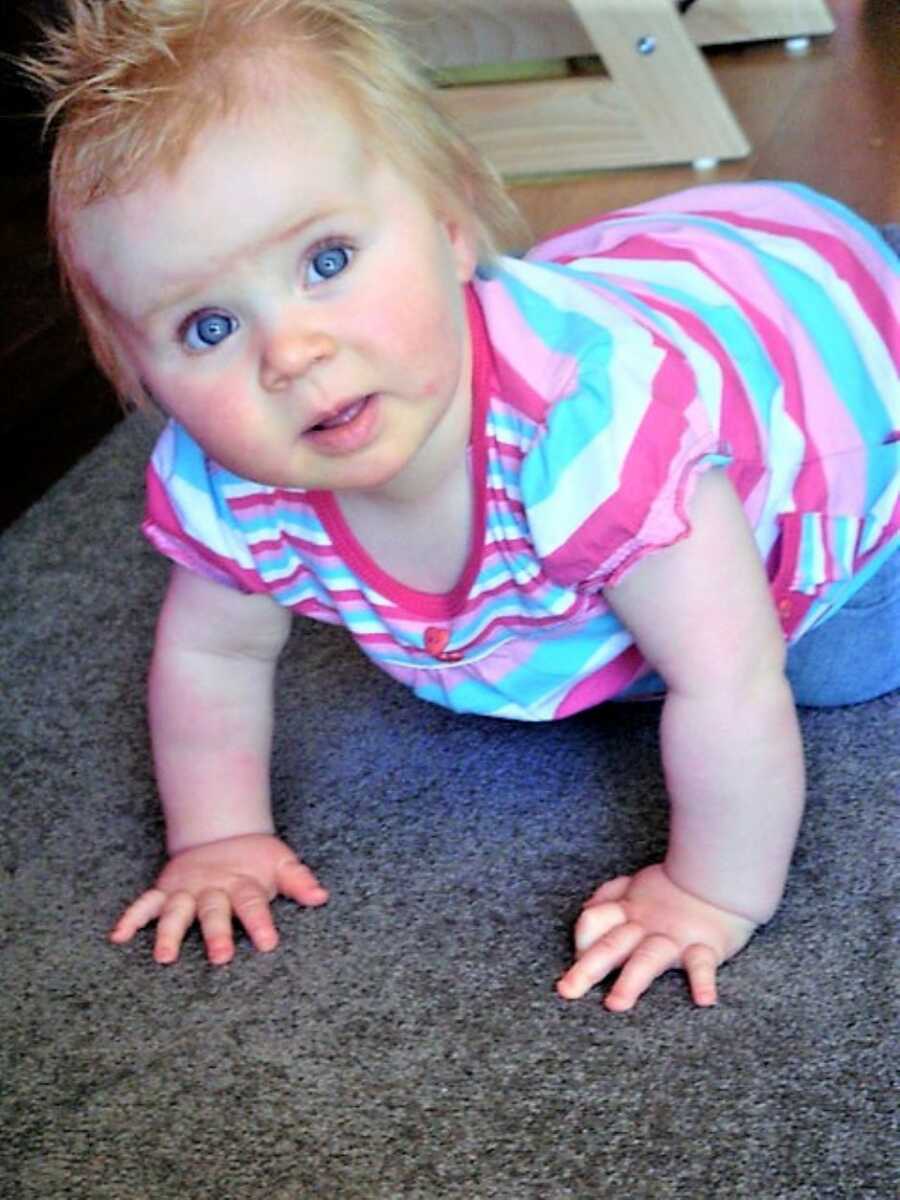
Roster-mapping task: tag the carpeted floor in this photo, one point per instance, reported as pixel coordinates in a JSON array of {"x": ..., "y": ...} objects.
[{"x": 404, "y": 1043}]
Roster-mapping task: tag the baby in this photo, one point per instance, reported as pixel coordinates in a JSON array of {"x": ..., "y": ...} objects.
[{"x": 658, "y": 455}]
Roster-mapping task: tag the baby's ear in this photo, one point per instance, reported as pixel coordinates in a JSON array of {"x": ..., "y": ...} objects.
[{"x": 463, "y": 240}]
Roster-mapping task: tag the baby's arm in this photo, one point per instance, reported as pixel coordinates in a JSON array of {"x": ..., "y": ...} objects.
[
  {"x": 702, "y": 614},
  {"x": 211, "y": 713}
]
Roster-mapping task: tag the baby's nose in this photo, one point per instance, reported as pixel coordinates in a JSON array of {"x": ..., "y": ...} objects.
[{"x": 291, "y": 351}]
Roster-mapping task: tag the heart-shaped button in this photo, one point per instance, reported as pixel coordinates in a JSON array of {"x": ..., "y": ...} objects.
[{"x": 436, "y": 640}]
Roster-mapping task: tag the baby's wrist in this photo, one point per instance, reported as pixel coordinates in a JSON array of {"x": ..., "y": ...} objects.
[
  {"x": 724, "y": 899},
  {"x": 176, "y": 845}
]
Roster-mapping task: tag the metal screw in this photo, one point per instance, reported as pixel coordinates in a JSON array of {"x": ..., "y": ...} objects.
[{"x": 646, "y": 44}]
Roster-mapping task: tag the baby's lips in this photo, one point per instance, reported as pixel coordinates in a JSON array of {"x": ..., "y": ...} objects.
[{"x": 337, "y": 415}]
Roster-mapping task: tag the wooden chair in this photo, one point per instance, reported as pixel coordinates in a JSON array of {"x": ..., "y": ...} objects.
[{"x": 656, "y": 102}]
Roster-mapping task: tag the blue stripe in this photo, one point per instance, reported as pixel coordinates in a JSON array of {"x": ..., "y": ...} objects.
[{"x": 278, "y": 520}]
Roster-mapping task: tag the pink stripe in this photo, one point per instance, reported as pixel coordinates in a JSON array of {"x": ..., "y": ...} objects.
[
  {"x": 609, "y": 681},
  {"x": 507, "y": 452},
  {"x": 262, "y": 503},
  {"x": 519, "y": 621},
  {"x": 500, "y": 547},
  {"x": 316, "y": 611},
  {"x": 292, "y": 578},
  {"x": 494, "y": 598},
  {"x": 496, "y": 613},
  {"x": 739, "y": 427},
  {"x": 502, "y": 500},
  {"x": 272, "y": 546}
]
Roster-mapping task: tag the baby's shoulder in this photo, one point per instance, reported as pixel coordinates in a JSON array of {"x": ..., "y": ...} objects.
[{"x": 549, "y": 328}]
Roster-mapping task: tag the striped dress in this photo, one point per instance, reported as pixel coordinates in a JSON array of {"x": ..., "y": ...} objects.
[{"x": 752, "y": 327}]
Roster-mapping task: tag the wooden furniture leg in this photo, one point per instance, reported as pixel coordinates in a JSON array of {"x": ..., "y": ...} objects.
[{"x": 659, "y": 103}]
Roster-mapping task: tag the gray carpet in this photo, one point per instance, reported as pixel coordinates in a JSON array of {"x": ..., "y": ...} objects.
[{"x": 404, "y": 1042}]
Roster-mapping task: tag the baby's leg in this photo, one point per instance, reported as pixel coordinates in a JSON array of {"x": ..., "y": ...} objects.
[{"x": 855, "y": 655}]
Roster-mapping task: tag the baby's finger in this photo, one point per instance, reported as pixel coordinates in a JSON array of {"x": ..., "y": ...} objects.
[
  {"x": 653, "y": 956},
  {"x": 145, "y": 909},
  {"x": 596, "y": 920},
  {"x": 296, "y": 881},
  {"x": 175, "y": 919},
  {"x": 700, "y": 964},
  {"x": 613, "y": 889},
  {"x": 607, "y": 953},
  {"x": 214, "y": 915},
  {"x": 251, "y": 907}
]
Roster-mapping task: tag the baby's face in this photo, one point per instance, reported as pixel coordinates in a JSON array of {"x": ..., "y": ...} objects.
[{"x": 289, "y": 298}]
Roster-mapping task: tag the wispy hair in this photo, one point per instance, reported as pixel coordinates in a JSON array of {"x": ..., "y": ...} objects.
[{"x": 127, "y": 87}]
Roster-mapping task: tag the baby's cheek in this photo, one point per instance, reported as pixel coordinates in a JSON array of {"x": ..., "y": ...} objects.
[
  {"x": 213, "y": 415},
  {"x": 432, "y": 334}
]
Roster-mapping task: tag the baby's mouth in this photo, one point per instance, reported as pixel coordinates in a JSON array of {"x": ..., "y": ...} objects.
[
  {"x": 347, "y": 429},
  {"x": 343, "y": 416}
]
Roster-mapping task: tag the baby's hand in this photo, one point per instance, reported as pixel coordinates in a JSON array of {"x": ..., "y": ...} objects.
[
  {"x": 234, "y": 877},
  {"x": 646, "y": 925}
]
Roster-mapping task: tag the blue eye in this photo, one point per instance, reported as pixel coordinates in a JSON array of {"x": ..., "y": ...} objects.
[
  {"x": 328, "y": 262},
  {"x": 208, "y": 329}
]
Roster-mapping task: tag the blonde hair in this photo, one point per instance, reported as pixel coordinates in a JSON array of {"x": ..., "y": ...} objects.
[{"x": 129, "y": 84}]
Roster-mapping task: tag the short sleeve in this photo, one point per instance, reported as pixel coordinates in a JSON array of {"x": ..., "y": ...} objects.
[
  {"x": 611, "y": 476},
  {"x": 187, "y": 517}
]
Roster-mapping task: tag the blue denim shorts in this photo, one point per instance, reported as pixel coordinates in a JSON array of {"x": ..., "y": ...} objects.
[{"x": 855, "y": 654}]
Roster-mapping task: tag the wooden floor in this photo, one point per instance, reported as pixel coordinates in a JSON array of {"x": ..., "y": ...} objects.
[{"x": 830, "y": 119}]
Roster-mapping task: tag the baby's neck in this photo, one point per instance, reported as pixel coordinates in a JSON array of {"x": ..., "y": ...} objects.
[
  {"x": 417, "y": 526},
  {"x": 422, "y": 541}
]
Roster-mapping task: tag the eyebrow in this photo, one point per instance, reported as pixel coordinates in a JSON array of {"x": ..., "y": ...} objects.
[{"x": 178, "y": 293}]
